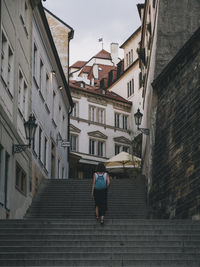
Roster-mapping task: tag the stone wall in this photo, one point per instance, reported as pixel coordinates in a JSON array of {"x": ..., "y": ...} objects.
[
  {"x": 177, "y": 21},
  {"x": 176, "y": 159}
]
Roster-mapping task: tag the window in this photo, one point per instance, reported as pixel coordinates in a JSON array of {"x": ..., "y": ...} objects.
[
  {"x": 20, "y": 181},
  {"x": 119, "y": 148},
  {"x": 40, "y": 143},
  {"x": 100, "y": 150},
  {"x": 22, "y": 95},
  {"x": 54, "y": 106},
  {"x": 35, "y": 61},
  {"x": 127, "y": 60},
  {"x": 74, "y": 142},
  {"x": 10, "y": 70},
  {"x": 131, "y": 55},
  {"x": 125, "y": 122},
  {"x": 45, "y": 152},
  {"x": 130, "y": 88},
  {"x": 47, "y": 85},
  {"x": 24, "y": 16},
  {"x": 41, "y": 75},
  {"x": 97, "y": 147},
  {"x": 117, "y": 120},
  {"x": 7, "y": 64},
  {"x": 92, "y": 113},
  {"x": 121, "y": 121},
  {"x": 75, "y": 109},
  {"x": 97, "y": 114},
  {"x": 140, "y": 80},
  {"x": 101, "y": 115},
  {"x": 92, "y": 147}
]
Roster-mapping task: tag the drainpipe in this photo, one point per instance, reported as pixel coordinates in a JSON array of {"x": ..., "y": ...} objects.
[{"x": 70, "y": 37}]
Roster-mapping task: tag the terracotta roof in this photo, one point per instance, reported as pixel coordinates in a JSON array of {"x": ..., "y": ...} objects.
[
  {"x": 86, "y": 69},
  {"x": 78, "y": 64},
  {"x": 103, "y": 73},
  {"x": 103, "y": 54},
  {"x": 98, "y": 91}
]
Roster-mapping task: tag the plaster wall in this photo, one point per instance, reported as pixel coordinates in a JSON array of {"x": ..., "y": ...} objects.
[{"x": 51, "y": 113}]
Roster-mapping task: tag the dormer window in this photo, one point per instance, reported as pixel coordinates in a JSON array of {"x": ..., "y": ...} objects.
[{"x": 82, "y": 85}]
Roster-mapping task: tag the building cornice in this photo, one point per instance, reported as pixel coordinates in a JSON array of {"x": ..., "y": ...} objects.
[{"x": 105, "y": 126}]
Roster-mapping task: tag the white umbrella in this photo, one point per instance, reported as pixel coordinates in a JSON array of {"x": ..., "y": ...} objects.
[{"x": 123, "y": 161}]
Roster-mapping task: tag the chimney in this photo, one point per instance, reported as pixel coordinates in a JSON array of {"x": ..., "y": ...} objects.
[
  {"x": 95, "y": 71},
  {"x": 114, "y": 47}
]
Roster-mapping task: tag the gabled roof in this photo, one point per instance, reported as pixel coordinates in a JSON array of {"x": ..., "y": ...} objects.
[
  {"x": 69, "y": 27},
  {"x": 103, "y": 54},
  {"x": 132, "y": 35},
  {"x": 78, "y": 64}
]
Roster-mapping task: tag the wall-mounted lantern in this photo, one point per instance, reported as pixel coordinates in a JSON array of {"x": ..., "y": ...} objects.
[
  {"x": 30, "y": 128},
  {"x": 138, "y": 119}
]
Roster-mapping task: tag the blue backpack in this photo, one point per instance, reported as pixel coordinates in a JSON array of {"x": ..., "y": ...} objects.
[{"x": 100, "y": 182}]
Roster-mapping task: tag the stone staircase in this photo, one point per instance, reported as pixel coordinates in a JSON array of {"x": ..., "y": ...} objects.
[
  {"x": 64, "y": 199},
  {"x": 60, "y": 230}
]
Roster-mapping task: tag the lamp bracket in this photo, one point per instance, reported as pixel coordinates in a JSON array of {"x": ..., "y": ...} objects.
[
  {"x": 144, "y": 130},
  {"x": 19, "y": 148}
]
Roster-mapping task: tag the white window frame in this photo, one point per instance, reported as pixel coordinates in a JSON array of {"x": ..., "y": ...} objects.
[
  {"x": 117, "y": 120},
  {"x": 7, "y": 63},
  {"x": 22, "y": 94},
  {"x": 74, "y": 138},
  {"x": 75, "y": 111},
  {"x": 97, "y": 147}
]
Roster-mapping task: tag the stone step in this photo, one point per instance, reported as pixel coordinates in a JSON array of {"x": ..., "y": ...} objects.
[
  {"x": 100, "y": 249},
  {"x": 99, "y": 256},
  {"x": 99, "y": 263},
  {"x": 103, "y": 231},
  {"x": 100, "y": 243},
  {"x": 94, "y": 225},
  {"x": 99, "y": 236}
]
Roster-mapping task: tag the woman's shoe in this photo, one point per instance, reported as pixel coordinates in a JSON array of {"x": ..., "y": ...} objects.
[{"x": 102, "y": 221}]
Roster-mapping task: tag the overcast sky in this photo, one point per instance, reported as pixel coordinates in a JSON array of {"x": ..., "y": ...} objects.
[{"x": 112, "y": 20}]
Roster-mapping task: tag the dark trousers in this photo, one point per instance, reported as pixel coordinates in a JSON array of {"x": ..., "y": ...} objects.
[{"x": 100, "y": 198}]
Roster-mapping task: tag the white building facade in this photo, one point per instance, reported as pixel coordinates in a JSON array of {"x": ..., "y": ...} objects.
[
  {"x": 27, "y": 86},
  {"x": 128, "y": 83},
  {"x": 15, "y": 106},
  {"x": 100, "y": 129},
  {"x": 51, "y": 104}
]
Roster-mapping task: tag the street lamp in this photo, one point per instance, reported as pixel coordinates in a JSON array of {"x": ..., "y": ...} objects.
[
  {"x": 138, "y": 119},
  {"x": 30, "y": 127}
]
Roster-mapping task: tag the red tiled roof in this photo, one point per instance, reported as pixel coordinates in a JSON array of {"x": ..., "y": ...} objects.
[
  {"x": 103, "y": 54},
  {"x": 103, "y": 73},
  {"x": 86, "y": 69},
  {"x": 98, "y": 91},
  {"x": 78, "y": 64}
]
